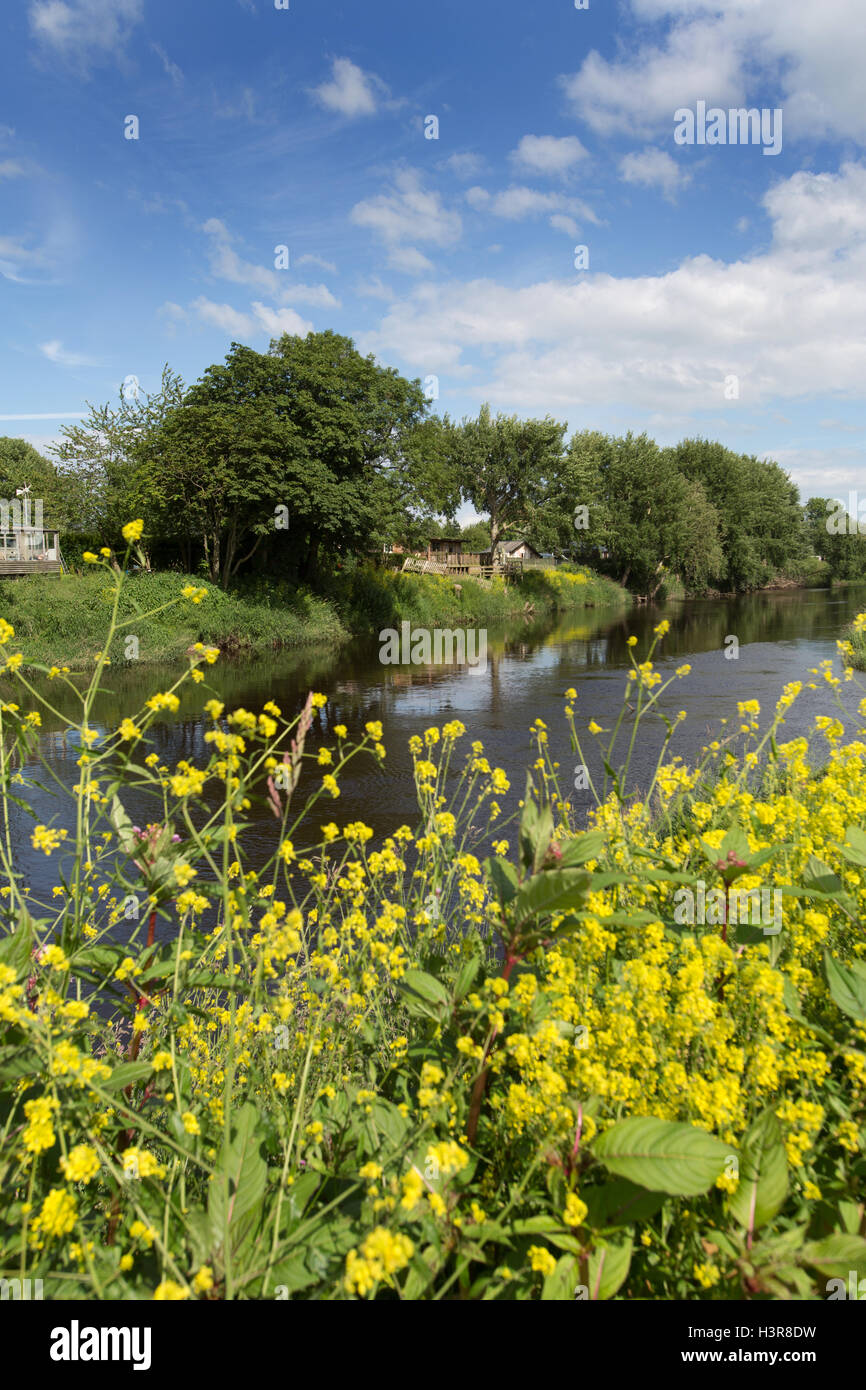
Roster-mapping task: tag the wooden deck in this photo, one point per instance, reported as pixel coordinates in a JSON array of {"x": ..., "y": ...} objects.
[
  {"x": 15, "y": 568},
  {"x": 470, "y": 568}
]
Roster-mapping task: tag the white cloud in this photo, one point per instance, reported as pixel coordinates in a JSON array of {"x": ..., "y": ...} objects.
[
  {"x": 373, "y": 288},
  {"x": 84, "y": 31},
  {"x": 237, "y": 325},
  {"x": 477, "y": 197},
  {"x": 654, "y": 169},
  {"x": 171, "y": 69},
  {"x": 310, "y": 259},
  {"x": 351, "y": 91},
  {"x": 518, "y": 201},
  {"x": 409, "y": 259},
  {"x": 463, "y": 166},
  {"x": 548, "y": 154},
  {"x": 638, "y": 94},
  {"x": 279, "y": 321},
  {"x": 11, "y": 169},
  {"x": 718, "y": 52},
  {"x": 15, "y": 258},
  {"x": 57, "y": 353},
  {"x": 408, "y": 213},
  {"x": 560, "y": 223},
  {"x": 787, "y": 322},
  {"x": 226, "y": 264}
]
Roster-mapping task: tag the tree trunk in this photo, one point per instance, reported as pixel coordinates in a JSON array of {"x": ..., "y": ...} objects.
[{"x": 243, "y": 560}]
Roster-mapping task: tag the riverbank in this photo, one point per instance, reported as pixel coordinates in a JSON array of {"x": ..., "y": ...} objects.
[
  {"x": 58, "y": 621},
  {"x": 715, "y": 1025}
]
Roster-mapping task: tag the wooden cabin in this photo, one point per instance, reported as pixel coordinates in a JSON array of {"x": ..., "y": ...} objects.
[
  {"x": 29, "y": 550},
  {"x": 518, "y": 550}
]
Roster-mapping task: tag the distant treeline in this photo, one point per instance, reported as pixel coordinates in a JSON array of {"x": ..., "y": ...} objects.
[{"x": 310, "y": 458}]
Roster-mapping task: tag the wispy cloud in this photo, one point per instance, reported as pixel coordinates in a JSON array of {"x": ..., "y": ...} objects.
[
  {"x": 172, "y": 70},
  {"x": 16, "y": 258},
  {"x": 309, "y": 259},
  {"x": 409, "y": 213},
  {"x": 264, "y": 319},
  {"x": 227, "y": 264},
  {"x": 47, "y": 415},
  {"x": 464, "y": 166},
  {"x": 84, "y": 32},
  {"x": 56, "y": 352}
]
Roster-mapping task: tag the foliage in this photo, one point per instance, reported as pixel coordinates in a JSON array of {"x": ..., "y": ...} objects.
[
  {"x": 761, "y": 528},
  {"x": 20, "y": 465},
  {"x": 643, "y": 510},
  {"x": 60, "y": 618},
  {"x": 414, "y": 1071},
  {"x": 504, "y": 466},
  {"x": 299, "y": 450},
  {"x": 100, "y": 458},
  {"x": 836, "y": 538}
]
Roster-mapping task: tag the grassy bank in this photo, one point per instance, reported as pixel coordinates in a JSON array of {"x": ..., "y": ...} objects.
[{"x": 60, "y": 620}]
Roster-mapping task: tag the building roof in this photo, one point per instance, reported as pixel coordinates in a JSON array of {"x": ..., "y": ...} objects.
[{"x": 510, "y": 546}]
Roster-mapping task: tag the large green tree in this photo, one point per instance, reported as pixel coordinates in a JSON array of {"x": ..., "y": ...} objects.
[
  {"x": 100, "y": 458},
  {"x": 23, "y": 466},
  {"x": 625, "y": 496},
  {"x": 760, "y": 518},
  {"x": 834, "y": 535},
  {"x": 504, "y": 466},
  {"x": 304, "y": 450}
]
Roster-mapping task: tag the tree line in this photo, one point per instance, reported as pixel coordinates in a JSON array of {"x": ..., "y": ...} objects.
[{"x": 290, "y": 460}]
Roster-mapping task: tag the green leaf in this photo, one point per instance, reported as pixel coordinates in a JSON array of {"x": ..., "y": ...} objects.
[
  {"x": 238, "y": 1186},
  {"x": 504, "y": 878},
  {"x": 17, "y": 947},
  {"x": 854, "y": 848},
  {"x": 540, "y": 1225},
  {"x": 426, "y": 986},
  {"x": 466, "y": 977},
  {"x": 551, "y": 891},
  {"x": 662, "y": 1155},
  {"x": 559, "y": 1286},
  {"x": 763, "y": 1184},
  {"x": 820, "y": 877},
  {"x": 608, "y": 1267},
  {"x": 389, "y": 1121},
  {"x": 581, "y": 849},
  {"x": 127, "y": 1074},
  {"x": 847, "y": 987},
  {"x": 290, "y": 1274},
  {"x": 536, "y": 830},
  {"x": 620, "y": 1203},
  {"x": 837, "y": 1255}
]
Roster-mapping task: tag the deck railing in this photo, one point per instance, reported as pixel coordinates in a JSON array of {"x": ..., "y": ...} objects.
[{"x": 28, "y": 550}]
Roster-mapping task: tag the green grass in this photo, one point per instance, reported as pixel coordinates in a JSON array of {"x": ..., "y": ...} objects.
[{"x": 58, "y": 620}]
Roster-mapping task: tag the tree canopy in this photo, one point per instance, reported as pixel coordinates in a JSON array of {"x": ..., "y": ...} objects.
[{"x": 310, "y": 453}]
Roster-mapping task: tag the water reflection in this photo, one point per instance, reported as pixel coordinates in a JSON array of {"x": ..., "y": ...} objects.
[{"x": 530, "y": 665}]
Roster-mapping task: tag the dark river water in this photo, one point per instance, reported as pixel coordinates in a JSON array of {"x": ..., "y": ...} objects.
[{"x": 529, "y": 667}]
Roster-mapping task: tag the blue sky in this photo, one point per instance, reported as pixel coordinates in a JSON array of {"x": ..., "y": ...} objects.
[{"x": 453, "y": 257}]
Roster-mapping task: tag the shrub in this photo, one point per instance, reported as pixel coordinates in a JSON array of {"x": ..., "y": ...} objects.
[{"x": 358, "y": 1072}]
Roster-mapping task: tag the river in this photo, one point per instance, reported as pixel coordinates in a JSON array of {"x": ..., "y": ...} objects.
[{"x": 781, "y": 634}]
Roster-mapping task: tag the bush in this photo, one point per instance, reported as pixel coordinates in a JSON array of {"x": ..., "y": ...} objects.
[{"x": 358, "y": 1072}]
